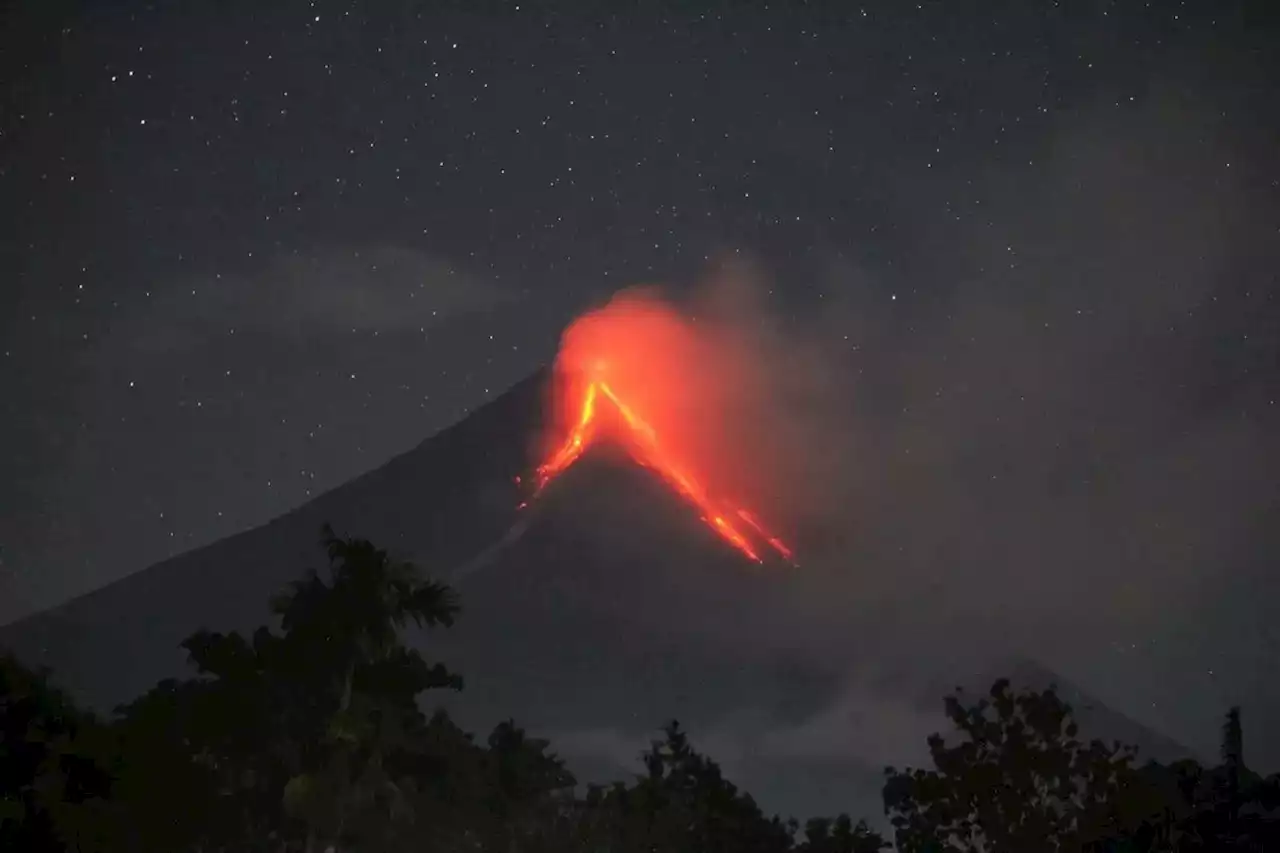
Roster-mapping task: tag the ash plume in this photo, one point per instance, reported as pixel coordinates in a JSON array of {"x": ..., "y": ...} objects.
[{"x": 1041, "y": 454}]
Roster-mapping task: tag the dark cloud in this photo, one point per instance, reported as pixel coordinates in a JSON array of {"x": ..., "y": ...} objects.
[{"x": 378, "y": 289}]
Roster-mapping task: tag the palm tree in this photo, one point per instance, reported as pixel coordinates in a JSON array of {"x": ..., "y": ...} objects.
[
  {"x": 342, "y": 638},
  {"x": 357, "y": 617}
]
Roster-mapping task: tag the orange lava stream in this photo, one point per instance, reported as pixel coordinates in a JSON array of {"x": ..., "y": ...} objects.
[{"x": 643, "y": 443}]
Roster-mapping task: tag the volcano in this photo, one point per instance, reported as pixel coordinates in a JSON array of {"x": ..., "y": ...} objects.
[{"x": 603, "y": 608}]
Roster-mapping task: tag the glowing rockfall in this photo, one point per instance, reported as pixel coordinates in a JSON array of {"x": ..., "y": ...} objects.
[{"x": 632, "y": 354}]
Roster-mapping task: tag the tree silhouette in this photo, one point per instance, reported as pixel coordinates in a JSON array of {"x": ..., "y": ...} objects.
[
  {"x": 169, "y": 793},
  {"x": 528, "y": 800},
  {"x": 54, "y": 776},
  {"x": 1224, "y": 808},
  {"x": 842, "y": 835},
  {"x": 342, "y": 638},
  {"x": 683, "y": 803},
  {"x": 1018, "y": 779},
  {"x": 294, "y": 736},
  {"x": 1232, "y": 772}
]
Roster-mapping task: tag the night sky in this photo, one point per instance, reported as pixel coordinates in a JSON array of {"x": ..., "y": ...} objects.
[{"x": 252, "y": 250}]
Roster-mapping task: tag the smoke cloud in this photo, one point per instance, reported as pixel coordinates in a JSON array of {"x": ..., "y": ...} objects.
[{"x": 1042, "y": 454}]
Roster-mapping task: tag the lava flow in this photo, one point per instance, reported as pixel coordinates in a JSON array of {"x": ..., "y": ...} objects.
[{"x": 624, "y": 347}]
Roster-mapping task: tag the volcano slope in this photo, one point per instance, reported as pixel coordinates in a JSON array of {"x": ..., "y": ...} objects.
[
  {"x": 594, "y": 615},
  {"x": 593, "y": 609},
  {"x": 436, "y": 503}
]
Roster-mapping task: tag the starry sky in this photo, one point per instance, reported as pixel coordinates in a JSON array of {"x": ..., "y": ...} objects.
[{"x": 251, "y": 250}]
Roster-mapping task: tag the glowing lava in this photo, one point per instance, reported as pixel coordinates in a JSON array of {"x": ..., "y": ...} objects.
[{"x": 635, "y": 354}]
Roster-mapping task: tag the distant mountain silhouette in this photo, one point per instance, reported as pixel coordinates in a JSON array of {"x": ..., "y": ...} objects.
[
  {"x": 595, "y": 610},
  {"x": 1096, "y": 719}
]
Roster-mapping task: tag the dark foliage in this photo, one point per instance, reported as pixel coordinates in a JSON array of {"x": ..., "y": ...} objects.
[
  {"x": 1018, "y": 778},
  {"x": 55, "y": 774},
  {"x": 311, "y": 736}
]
